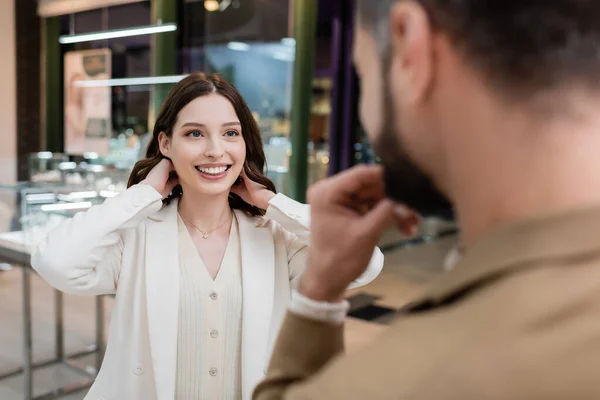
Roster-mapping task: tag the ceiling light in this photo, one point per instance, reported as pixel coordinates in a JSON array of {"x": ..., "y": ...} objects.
[
  {"x": 149, "y": 80},
  {"x": 117, "y": 33},
  {"x": 238, "y": 46},
  {"x": 211, "y": 5},
  {"x": 44, "y": 155}
]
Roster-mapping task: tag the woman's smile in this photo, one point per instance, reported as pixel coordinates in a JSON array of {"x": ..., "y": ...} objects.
[{"x": 213, "y": 172}]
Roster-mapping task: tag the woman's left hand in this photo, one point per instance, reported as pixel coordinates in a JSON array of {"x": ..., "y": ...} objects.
[{"x": 253, "y": 193}]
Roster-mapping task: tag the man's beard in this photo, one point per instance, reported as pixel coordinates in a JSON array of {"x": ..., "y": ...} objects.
[{"x": 406, "y": 183}]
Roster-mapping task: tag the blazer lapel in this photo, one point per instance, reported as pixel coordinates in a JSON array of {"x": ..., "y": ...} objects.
[
  {"x": 162, "y": 297},
  {"x": 258, "y": 286}
]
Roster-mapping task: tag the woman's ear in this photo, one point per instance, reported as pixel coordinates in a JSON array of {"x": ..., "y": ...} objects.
[{"x": 164, "y": 144}]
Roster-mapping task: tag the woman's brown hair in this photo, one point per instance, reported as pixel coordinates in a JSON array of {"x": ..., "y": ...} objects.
[{"x": 186, "y": 90}]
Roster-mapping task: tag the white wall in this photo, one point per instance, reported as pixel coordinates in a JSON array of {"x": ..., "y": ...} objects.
[{"x": 8, "y": 93}]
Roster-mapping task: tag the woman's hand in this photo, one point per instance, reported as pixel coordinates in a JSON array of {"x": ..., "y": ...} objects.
[
  {"x": 253, "y": 193},
  {"x": 162, "y": 177}
]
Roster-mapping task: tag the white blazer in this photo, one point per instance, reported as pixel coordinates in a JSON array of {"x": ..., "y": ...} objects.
[{"x": 128, "y": 246}]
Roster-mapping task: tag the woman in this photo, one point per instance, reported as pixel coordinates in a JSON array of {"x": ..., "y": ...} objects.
[{"x": 202, "y": 262}]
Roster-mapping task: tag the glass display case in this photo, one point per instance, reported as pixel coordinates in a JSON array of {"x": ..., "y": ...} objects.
[
  {"x": 29, "y": 211},
  {"x": 45, "y": 166},
  {"x": 89, "y": 170},
  {"x": 58, "y": 188}
]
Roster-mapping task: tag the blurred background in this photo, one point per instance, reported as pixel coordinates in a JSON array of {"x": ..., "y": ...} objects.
[{"x": 106, "y": 66}]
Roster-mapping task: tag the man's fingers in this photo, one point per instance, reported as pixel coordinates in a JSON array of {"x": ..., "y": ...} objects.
[
  {"x": 360, "y": 179},
  {"x": 408, "y": 226},
  {"x": 407, "y": 221},
  {"x": 380, "y": 218}
]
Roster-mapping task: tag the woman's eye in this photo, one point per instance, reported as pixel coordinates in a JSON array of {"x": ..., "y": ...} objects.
[
  {"x": 232, "y": 133},
  {"x": 195, "y": 134}
]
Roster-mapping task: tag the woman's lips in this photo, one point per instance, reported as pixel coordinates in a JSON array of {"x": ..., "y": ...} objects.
[{"x": 213, "y": 173}]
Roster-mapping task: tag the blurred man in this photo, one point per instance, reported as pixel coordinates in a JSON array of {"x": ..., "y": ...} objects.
[{"x": 497, "y": 103}]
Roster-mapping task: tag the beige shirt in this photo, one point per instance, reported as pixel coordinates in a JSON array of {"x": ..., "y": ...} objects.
[{"x": 210, "y": 316}]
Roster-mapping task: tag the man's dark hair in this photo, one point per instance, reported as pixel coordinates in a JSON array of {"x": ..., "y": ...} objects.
[{"x": 527, "y": 45}]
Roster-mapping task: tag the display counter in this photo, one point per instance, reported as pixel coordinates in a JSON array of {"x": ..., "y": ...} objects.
[{"x": 28, "y": 212}]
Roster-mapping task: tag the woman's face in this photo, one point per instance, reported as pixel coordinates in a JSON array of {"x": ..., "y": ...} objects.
[{"x": 207, "y": 147}]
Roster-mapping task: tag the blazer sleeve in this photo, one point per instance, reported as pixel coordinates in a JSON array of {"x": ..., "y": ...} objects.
[
  {"x": 82, "y": 255},
  {"x": 294, "y": 217}
]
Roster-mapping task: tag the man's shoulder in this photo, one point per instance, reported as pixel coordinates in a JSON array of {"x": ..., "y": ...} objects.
[
  {"x": 507, "y": 338},
  {"x": 552, "y": 291}
]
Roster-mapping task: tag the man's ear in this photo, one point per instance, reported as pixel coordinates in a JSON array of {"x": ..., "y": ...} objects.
[{"x": 413, "y": 48}]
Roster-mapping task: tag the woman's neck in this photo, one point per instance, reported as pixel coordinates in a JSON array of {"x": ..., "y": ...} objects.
[{"x": 204, "y": 211}]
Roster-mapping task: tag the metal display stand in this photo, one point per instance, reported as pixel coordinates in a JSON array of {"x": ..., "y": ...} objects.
[{"x": 11, "y": 253}]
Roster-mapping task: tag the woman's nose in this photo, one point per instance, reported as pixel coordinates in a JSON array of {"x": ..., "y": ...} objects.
[{"x": 214, "y": 149}]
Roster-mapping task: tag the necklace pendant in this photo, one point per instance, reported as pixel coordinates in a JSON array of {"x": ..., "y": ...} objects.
[{"x": 204, "y": 236}]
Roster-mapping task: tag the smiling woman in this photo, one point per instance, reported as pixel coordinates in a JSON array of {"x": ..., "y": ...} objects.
[
  {"x": 206, "y": 114},
  {"x": 208, "y": 152},
  {"x": 202, "y": 281}
]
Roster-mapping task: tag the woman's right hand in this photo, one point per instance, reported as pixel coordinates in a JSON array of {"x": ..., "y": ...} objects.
[{"x": 162, "y": 177}]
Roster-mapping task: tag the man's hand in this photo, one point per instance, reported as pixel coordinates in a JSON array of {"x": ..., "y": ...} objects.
[{"x": 349, "y": 213}]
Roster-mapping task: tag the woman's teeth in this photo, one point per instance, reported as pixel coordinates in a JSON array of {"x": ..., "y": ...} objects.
[{"x": 212, "y": 171}]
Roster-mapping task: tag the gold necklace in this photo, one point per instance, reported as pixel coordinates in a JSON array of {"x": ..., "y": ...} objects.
[{"x": 205, "y": 233}]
